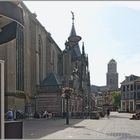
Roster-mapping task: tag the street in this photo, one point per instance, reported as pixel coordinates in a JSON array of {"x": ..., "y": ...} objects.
[{"x": 118, "y": 126}]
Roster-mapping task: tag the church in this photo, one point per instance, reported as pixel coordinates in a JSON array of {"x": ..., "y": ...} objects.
[{"x": 36, "y": 70}]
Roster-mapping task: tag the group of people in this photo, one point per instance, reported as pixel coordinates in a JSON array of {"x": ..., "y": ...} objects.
[
  {"x": 46, "y": 114},
  {"x": 14, "y": 114},
  {"x": 43, "y": 114},
  {"x": 136, "y": 116}
]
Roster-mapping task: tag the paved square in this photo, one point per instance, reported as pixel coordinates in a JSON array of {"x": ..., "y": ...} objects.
[{"x": 119, "y": 126}]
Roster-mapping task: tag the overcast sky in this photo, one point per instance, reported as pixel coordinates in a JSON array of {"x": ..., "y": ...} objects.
[{"x": 108, "y": 29}]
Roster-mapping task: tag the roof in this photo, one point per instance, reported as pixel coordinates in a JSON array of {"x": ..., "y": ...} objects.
[
  {"x": 130, "y": 79},
  {"x": 73, "y": 32},
  {"x": 112, "y": 61},
  {"x": 75, "y": 52},
  {"x": 51, "y": 83},
  {"x": 52, "y": 79}
]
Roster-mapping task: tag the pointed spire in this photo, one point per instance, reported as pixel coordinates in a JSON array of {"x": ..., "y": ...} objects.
[
  {"x": 73, "y": 37},
  {"x": 73, "y": 32},
  {"x": 72, "y": 17}
]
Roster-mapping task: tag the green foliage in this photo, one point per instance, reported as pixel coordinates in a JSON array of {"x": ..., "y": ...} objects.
[
  {"x": 20, "y": 94},
  {"x": 116, "y": 98}
]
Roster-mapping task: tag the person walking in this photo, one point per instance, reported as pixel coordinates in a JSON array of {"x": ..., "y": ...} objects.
[{"x": 108, "y": 113}]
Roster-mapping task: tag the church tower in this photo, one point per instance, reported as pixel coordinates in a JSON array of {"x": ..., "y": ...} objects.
[{"x": 112, "y": 75}]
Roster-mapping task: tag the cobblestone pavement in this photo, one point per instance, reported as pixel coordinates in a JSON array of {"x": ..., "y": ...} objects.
[{"x": 118, "y": 126}]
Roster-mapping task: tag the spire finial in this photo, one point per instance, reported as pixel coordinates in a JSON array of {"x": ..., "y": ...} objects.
[{"x": 72, "y": 17}]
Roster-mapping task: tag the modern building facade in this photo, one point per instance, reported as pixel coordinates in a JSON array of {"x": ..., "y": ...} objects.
[
  {"x": 130, "y": 94},
  {"x": 112, "y": 75}
]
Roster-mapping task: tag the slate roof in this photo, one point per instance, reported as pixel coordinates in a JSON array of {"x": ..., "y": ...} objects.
[
  {"x": 75, "y": 52},
  {"x": 112, "y": 61},
  {"x": 130, "y": 79},
  {"x": 73, "y": 32},
  {"x": 51, "y": 83}
]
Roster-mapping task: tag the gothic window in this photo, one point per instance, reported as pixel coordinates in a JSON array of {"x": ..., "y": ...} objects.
[
  {"x": 53, "y": 58},
  {"x": 40, "y": 46},
  {"x": 19, "y": 58},
  {"x": 59, "y": 64}
]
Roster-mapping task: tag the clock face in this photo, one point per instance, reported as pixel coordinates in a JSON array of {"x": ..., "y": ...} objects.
[{"x": 74, "y": 38}]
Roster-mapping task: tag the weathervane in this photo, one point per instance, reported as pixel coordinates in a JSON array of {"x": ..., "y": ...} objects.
[{"x": 72, "y": 17}]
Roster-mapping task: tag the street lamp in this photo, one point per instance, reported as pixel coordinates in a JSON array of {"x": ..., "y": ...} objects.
[
  {"x": 67, "y": 91},
  {"x": 35, "y": 104}
]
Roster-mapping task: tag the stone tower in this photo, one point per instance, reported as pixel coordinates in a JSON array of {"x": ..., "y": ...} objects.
[{"x": 112, "y": 75}]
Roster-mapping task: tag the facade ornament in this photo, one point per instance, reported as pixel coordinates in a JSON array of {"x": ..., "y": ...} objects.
[{"x": 72, "y": 17}]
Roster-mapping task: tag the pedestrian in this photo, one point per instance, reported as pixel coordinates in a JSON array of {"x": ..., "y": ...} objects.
[
  {"x": 108, "y": 113},
  {"x": 10, "y": 115},
  {"x": 45, "y": 114}
]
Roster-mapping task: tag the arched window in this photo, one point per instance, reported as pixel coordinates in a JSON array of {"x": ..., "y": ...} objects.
[
  {"x": 40, "y": 49},
  {"x": 19, "y": 58}
]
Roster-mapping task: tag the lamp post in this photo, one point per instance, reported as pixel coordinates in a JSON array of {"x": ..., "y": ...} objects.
[
  {"x": 67, "y": 110},
  {"x": 35, "y": 104},
  {"x": 67, "y": 91}
]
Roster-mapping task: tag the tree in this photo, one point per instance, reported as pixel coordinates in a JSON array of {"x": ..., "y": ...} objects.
[{"x": 116, "y": 98}]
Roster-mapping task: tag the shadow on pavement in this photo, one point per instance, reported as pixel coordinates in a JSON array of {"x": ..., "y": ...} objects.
[
  {"x": 38, "y": 128},
  {"x": 116, "y": 116}
]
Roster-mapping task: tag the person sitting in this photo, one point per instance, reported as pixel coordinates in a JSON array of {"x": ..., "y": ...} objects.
[
  {"x": 10, "y": 115},
  {"x": 45, "y": 114},
  {"x": 49, "y": 115},
  {"x": 135, "y": 116}
]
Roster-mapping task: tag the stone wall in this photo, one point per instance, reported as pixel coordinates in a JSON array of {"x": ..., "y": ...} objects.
[{"x": 52, "y": 102}]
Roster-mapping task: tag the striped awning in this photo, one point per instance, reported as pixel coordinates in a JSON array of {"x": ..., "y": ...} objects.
[{"x": 11, "y": 14}]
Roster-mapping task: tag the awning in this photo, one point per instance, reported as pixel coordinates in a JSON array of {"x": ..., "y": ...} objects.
[{"x": 10, "y": 15}]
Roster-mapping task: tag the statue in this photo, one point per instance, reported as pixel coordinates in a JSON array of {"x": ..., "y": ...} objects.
[{"x": 72, "y": 16}]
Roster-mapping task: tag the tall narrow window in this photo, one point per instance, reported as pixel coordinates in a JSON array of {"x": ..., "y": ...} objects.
[
  {"x": 40, "y": 46},
  {"x": 19, "y": 58}
]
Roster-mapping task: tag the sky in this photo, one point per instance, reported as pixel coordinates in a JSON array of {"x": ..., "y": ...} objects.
[{"x": 109, "y": 29}]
